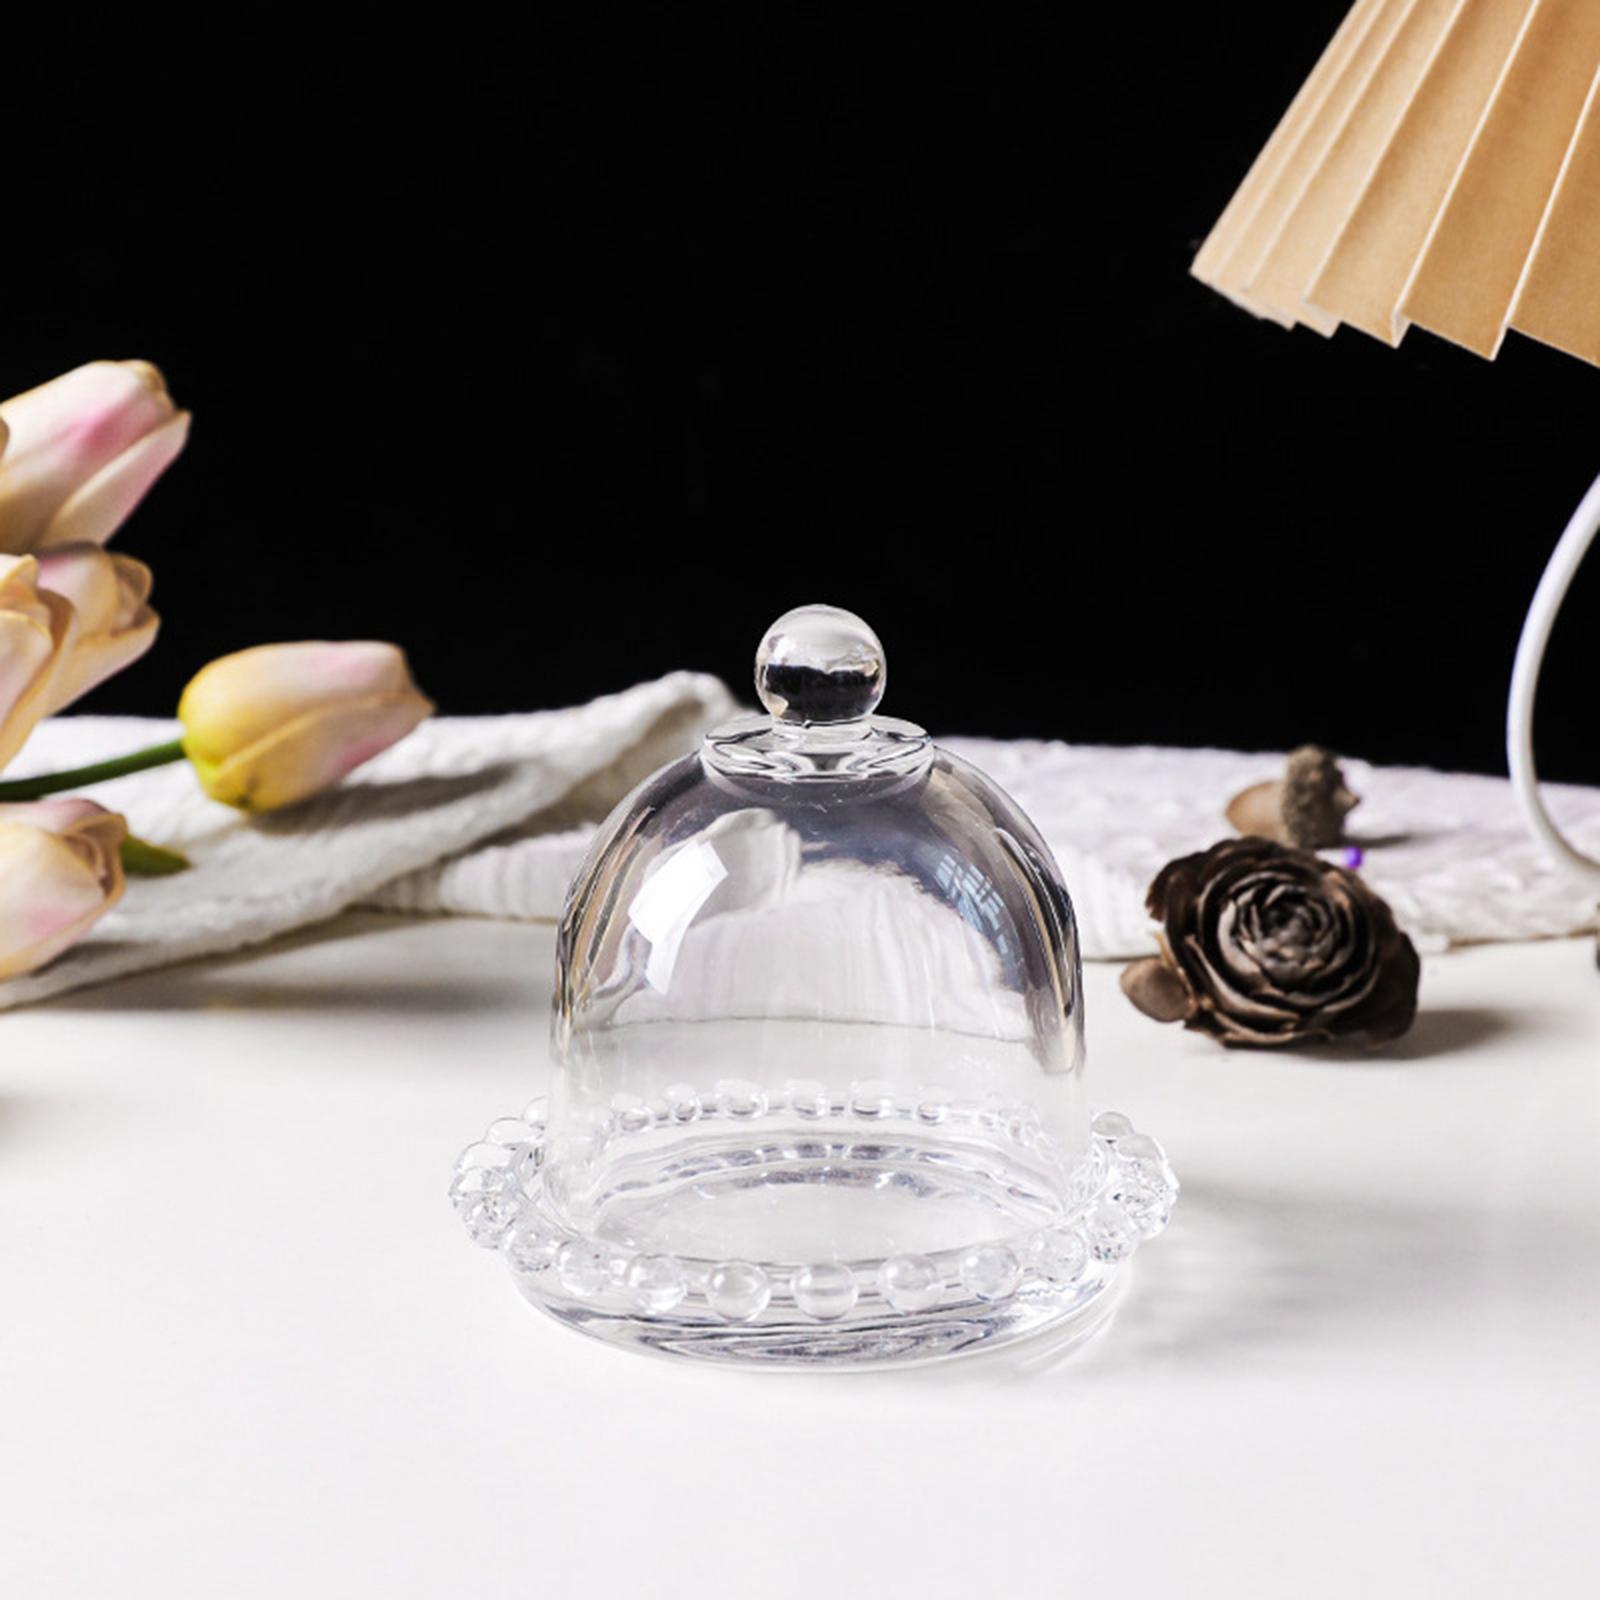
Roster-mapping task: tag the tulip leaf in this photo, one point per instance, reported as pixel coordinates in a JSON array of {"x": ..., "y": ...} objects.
[{"x": 141, "y": 859}]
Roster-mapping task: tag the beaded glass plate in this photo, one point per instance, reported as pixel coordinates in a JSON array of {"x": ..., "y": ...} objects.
[{"x": 896, "y": 1307}]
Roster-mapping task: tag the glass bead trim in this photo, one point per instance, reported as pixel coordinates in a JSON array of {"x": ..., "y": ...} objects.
[{"x": 1123, "y": 1188}]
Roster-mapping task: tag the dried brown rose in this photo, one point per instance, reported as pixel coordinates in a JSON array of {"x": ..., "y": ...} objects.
[
  {"x": 1306, "y": 807},
  {"x": 1265, "y": 945}
]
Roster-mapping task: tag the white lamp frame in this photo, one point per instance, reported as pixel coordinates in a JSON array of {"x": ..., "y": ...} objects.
[{"x": 1558, "y": 575}]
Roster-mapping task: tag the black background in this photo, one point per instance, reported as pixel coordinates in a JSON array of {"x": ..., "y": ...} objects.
[{"x": 568, "y": 347}]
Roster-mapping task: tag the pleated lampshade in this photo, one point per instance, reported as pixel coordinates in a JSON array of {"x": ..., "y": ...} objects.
[{"x": 1440, "y": 166}]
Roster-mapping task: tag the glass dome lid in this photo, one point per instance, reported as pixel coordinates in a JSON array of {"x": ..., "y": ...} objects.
[{"x": 818, "y": 1054}]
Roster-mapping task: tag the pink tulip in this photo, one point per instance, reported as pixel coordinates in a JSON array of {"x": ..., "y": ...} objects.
[
  {"x": 115, "y": 625},
  {"x": 78, "y": 453},
  {"x": 270, "y": 726},
  {"x": 60, "y": 872},
  {"x": 37, "y": 630}
]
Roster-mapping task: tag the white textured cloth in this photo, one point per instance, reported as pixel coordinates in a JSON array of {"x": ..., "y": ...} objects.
[
  {"x": 490, "y": 816},
  {"x": 453, "y": 784},
  {"x": 1447, "y": 850}
]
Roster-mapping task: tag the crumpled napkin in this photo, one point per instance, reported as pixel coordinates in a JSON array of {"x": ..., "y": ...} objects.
[
  {"x": 393, "y": 835},
  {"x": 491, "y": 816}
]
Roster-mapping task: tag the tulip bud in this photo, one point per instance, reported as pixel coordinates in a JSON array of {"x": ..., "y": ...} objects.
[
  {"x": 60, "y": 872},
  {"x": 115, "y": 625},
  {"x": 37, "y": 630},
  {"x": 81, "y": 452},
  {"x": 270, "y": 726}
]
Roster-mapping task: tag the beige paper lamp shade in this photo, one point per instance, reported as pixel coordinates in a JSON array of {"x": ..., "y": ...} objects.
[{"x": 1441, "y": 166}]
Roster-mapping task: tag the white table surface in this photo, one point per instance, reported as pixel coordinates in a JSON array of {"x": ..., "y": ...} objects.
[{"x": 246, "y": 1350}]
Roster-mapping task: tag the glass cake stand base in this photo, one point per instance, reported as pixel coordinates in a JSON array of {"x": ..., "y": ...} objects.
[
  {"x": 1068, "y": 1317},
  {"x": 828, "y": 1244}
]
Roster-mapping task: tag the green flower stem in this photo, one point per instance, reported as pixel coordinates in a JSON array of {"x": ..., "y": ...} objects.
[{"x": 81, "y": 777}]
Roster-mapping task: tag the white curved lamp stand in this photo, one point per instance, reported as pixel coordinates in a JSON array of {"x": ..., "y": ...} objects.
[{"x": 1558, "y": 575}]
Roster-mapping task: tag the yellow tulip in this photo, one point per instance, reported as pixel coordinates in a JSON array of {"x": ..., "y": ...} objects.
[
  {"x": 270, "y": 726},
  {"x": 78, "y": 453},
  {"x": 37, "y": 630},
  {"x": 115, "y": 625},
  {"x": 60, "y": 872}
]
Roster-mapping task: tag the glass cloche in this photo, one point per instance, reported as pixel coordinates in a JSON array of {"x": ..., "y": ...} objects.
[{"x": 818, "y": 1094}]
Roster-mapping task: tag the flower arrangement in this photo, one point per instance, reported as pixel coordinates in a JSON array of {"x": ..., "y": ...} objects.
[{"x": 263, "y": 728}]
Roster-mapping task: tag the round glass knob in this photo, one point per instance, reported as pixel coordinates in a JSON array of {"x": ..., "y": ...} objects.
[{"x": 820, "y": 664}]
